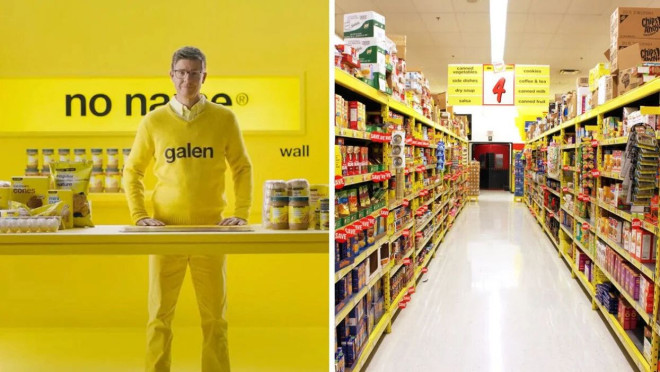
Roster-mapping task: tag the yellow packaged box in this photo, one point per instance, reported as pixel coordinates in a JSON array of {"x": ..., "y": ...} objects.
[
  {"x": 5, "y": 196},
  {"x": 30, "y": 190},
  {"x": 595, "y": 73},
  {"x": 66, "y": 197}
]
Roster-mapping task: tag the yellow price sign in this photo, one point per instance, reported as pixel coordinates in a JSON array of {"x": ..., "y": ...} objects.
[{"x": 464, "y": 100}]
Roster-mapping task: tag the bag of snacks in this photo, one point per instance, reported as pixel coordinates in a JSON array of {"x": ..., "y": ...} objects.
[{"x": 75, "y": 176}]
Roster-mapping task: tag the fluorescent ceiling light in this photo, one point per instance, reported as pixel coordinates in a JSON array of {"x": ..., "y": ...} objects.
[{"x": 498, "y": 10}]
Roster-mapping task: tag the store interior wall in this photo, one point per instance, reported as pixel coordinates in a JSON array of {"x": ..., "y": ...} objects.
[
  {"x": 80, "y": 38},
  {"x": 506, "y": 122}
]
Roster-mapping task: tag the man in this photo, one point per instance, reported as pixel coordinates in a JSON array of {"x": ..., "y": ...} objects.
[{"x": 189, "y": 139}]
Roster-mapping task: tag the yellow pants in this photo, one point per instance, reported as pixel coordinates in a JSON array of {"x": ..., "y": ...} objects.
[{"x": 166, "y": 275}]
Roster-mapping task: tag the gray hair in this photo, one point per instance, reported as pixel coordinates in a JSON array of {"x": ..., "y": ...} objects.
[{"x": 189, "y": 52}]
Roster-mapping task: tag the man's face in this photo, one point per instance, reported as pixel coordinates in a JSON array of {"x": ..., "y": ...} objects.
[{"x": 188, "y": 76}]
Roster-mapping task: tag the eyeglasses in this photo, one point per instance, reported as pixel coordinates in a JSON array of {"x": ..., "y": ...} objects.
[{"x": 180, "y": 74}]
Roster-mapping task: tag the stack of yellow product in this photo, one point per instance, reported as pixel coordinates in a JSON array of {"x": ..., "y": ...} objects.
[{"x": 473, "y": 178}]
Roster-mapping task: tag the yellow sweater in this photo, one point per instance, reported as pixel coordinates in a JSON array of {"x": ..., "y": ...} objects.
[{"x": 189, "y": 166}]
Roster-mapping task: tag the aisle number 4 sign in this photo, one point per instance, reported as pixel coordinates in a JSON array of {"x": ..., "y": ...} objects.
[{"x": 499, "y": 85}]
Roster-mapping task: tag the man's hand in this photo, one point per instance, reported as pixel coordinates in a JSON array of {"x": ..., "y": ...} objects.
[
  {"x": 232, "y": 221},
  {"x": 150, "y": 222}
]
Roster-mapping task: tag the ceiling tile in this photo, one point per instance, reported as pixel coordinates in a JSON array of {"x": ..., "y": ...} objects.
[
  {"x": 476, "y": 55},
  {"x": 395, "y": 6},
  {"x": 473, "y": 22},
  {"x": 462, "y": 6},
  {"x": 419, "y": 39},
  {"x": 446, "y": 39},
  {"x": 513, "y": 40},
  {"x": 518, "y": 6},
  {"x": 445, "y": 23},
  {"x": 532, "y": 40},
  {"x": 542, "y": 23},
  {"x": 403, "y": 23},
  {"x": 433, "y": 6},
  {"x": 549, "y": 7},
  {"x": 582, "y": 24},
  {"x": 584, "y": 40},
  {"x": 515, "y": 23},
  {"x": 352, "y": 6},
  {"x": 476, "y": 40},
  {"x": 593, "y": 7}
]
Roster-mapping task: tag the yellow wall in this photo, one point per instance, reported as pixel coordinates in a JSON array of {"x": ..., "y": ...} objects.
[{"x": 82, "y": 38}]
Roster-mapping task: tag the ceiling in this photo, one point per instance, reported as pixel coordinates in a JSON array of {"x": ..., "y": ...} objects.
[{"x": 571, "y": 34}]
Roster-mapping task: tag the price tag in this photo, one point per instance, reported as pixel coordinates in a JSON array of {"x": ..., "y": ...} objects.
[
  {"x": 566, "y": 167},
  {"x": 425, "y": 270},
  {"x": 351, "y": 231},
  {"x": 388, "y": 175},
  {"x": 409, "y": 141},
  {"x": 595, "y": 173},
  {"x": 551, "y": 214},
  {"x": 406, "y": 233},
  {"x": 406, "y": 261},
  {"x": 411, "y": 290},
  {"x": 405, "y": 203},
  {"x": 594, "y": 143},
  {"x": 421, "y": 169},
  {"x": 419, "y": 213},
  {"x": 406, "y": 171},
  {"x": 406, "y": 298},
  {"x": 384, "y": 212},
  {"x": 340, "y": 236},
  {"x": 339, "y": 182},
  {"x": 377, "y": 177},
  {"x": 402, "y": 305},
  {"x": 565, "y": 189},
  {"x": 371, "y": 221},
  {"x": 585, "y": 226},
  {"x": 636, "y": 222},
  {"x": 381, "y": 137},
  {"x": 419, "y": 235}
]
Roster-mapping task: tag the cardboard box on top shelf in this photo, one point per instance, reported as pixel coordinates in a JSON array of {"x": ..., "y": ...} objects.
[
  {"x": 582, "y": 81},
  {"x": 364, "y": 24},
  {"x": 627, "y": 22},
  {"x": 601, "y": 69},
  {"x": 440, "y": 100},
  {"x": 583, "y": 95},
  {"x": 629, "y": 54},
  {"x": 593, "y": 99},
  {"x": 633, "y": 77},
  {"x": 607, "y": 88}
]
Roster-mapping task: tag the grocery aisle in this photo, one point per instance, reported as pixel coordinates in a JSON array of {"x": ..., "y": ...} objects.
[{"x": 498, "y": 298}]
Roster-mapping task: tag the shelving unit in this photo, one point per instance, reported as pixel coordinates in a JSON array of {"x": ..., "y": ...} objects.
[
  {"x": 427, "y": 198},
  {"x": 585, "y": 216}
]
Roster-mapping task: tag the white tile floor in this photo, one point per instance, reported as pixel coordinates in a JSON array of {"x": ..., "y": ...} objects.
[{"x": 498, "y": 298}]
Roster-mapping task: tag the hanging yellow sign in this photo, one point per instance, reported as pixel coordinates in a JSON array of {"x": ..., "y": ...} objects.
[{"x": 465, "y": 85}]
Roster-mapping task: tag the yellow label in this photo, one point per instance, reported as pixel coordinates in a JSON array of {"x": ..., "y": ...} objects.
[
  {"x": 532, "y": 101},
  {"x": 118, "y": 104},
  {"x": 298, "y": 215},
  {"x": 465, "y": 81},
  {"x": 279, "y": 214},
  {"x": 532, "y": 81},
  {"x": 466, "y": 70},
  {"x": 465, "y": 90},
  {"x": 5, "y": 193},
  {"x": 464, "y": 100},
  {"x": 532, "y": 70},
  {"x": 532, "y": 91}
]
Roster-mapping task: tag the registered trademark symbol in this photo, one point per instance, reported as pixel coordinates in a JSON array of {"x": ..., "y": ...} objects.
[{"x": 242, "y": 99}]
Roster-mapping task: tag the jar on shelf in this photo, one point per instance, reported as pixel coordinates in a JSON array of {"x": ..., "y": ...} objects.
[
  {"x": 271, "y": 188},
  {"x": 125, "y": 153},
  {"x": 32, "y": 158},
  {"x": 324, "y": 215},
  {"x": 113, "y": 158},
  {"x": 97, "y": 158},
  {"x": 299, "y": 213},
  {"x": 278, "y": 218},
  {"x": 298, "y": 187},
  {"x": 112, "y": 180},
  {"x": 64, "y": 154},
  {"x": 80, "y": 155},
  {"x": 47, "y": 158},
  {"x": 97, "y": 180}
]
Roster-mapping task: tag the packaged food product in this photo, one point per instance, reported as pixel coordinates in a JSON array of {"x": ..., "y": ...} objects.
[
  {"x": 112, "y": 180},
  {"x": 316, "y": 192},
  {"x": 97, "y": 180},
  {"x": 342, "y": 203},
  {"x": 66, "y": 198},
  {"x": 64, "y": 154},
  {"x": 32, "y": 172},
  {"x": 32, "y": 158},
  {"x": 299, "y": 213},
  {"x": 47, "y": 157},
  {"x": 113, "y": 158},
  {"x": 30, "y": 190},
  {"x": 97, "y": 158},
  {"x": 79, "y": 155},
  {"x": 75, "y": 177},
  {"x": 279, "y": 213},
  {"x": 353, "y": 201},
  {"x": 298, "y": 187},
  {"x": 324, "y": 218},
  {"x": 5, "y": 196},
  {"x": 271, "y": 188}
]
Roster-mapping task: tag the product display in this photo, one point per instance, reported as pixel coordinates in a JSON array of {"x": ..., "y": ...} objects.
[{"x": 605, "y": 197}]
